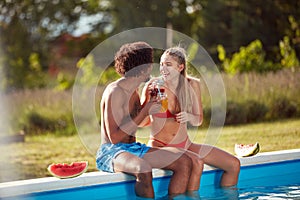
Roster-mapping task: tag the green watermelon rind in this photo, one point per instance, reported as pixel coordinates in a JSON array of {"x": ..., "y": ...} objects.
[
  {"x": 71, "y": 176},
  {"x": 254, "y": 152}
]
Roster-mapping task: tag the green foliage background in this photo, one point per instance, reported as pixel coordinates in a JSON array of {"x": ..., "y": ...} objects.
[
  {"x": 252, "y": 42},
  {"x": 30, "y": 30}
]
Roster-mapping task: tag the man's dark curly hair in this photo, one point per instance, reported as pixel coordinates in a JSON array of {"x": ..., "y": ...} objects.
[{"x": 133, "y": 59}]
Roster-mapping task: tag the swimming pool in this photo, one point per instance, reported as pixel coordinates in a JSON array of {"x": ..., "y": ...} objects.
[{"x": 265, "y": 176}]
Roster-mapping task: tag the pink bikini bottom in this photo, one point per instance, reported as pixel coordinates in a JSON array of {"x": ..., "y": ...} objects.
[{"x": 179, "y": 145}]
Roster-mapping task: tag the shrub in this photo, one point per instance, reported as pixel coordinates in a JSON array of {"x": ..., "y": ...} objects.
[
  {"x": 249, "y": 58},
  {"x": 38, "y": 123},
  {"x": 288, "y": 54},
  {"x": 235, "y": 113},
  {"x": 218, "y": 119},
  {"x": 255, "y": 111},
  {"x": 206, "y": 117},
  {"x": 281, "y": 108}
]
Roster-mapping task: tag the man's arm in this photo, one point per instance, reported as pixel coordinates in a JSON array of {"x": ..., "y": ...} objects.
[{"x": 145, "y": 97}]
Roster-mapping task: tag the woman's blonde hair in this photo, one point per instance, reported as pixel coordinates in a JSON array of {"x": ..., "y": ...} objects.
[{"x": 182, "y": 90}]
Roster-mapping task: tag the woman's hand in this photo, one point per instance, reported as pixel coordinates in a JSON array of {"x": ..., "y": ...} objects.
[{"x": 184, "y": 117}]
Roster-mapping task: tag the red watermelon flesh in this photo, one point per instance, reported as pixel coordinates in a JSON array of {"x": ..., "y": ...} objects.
[{"x": 64, "y": 170}]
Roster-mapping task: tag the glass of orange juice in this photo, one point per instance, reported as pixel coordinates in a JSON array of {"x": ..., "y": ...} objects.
[{"x": 163, "y": 99}]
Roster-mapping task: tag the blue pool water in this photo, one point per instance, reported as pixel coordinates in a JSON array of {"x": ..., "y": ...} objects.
[
  {"x": 281, "y": 187},
  {"x": 279, "y": 180}
]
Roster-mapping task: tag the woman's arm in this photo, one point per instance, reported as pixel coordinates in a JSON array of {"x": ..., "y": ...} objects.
[
  {"x": 197, "y": 109},
  {"x": 195, "y": 117}
]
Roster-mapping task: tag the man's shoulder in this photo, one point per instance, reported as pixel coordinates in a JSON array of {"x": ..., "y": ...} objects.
[
  {"x": 112, "y": 92},
  {"x": 113, "y": 88}
]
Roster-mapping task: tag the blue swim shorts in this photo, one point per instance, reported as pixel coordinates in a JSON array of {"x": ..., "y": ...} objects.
[{"x": 107, "y": 152}]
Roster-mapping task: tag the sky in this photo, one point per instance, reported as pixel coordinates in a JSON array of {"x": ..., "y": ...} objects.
[{"x": 86, "y": 23}]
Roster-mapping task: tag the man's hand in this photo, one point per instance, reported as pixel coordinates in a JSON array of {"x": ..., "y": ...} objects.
[{"x": 153, "y": 106}]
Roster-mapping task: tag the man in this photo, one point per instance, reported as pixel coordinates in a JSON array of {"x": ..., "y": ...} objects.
[{"x": 121, "y": 112}]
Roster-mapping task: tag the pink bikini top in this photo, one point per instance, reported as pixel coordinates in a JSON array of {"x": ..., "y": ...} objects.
[{"x": 166, "y": 114}]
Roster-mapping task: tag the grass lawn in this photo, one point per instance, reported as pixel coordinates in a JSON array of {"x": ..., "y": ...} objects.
[{"x": 31, "y": 158}]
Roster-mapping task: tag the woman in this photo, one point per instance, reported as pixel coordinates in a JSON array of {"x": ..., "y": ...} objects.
[{"x": 169, "y": 128}]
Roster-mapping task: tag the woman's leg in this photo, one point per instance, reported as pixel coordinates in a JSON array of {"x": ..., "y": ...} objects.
[{"x": 218, "y": 158}]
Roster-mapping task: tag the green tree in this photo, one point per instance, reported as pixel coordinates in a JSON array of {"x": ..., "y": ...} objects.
[
  {"x": 27, "y": 27},
  {"x": 249, "y": 58},
  {"x": 234, "y": 23},
  {"x": 288, "y": 54},
  {"x": 136, "y": 13},
  {"x": 15, "y": 53},
  {"x": 181, "y": 14}
]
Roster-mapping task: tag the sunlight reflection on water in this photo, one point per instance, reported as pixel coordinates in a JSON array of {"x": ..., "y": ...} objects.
[{"x": 276, "y": 192}]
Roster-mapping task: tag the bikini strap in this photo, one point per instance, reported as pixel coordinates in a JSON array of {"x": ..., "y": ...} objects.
[{"x": 166, "y": 114}]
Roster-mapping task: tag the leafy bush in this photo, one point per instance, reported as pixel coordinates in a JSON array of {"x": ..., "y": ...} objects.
[
  {"x": 281, "y": 107},
  {"x": 252, "y": 111},
  {"x": 251, "y": 98},
  {"x": 255, "y": 111},
  {"x": 39, "y": 111},
  {"x": 39, "y": 123},
  {"x": 288, "y": 54},
  {"x": 207, "y": 112},
  {"x": 89, "y": 74},
  {"x": 63, "y": 82},
  {"x": 235, "y": 114},
  {"x": 249, "y": 58}
]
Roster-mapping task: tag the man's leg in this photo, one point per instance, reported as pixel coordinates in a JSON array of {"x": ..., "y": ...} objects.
[
  {"x": 175, "y": 160},
  {"x": 196, "y": 172},
  {"x": 133, "y": 165}
]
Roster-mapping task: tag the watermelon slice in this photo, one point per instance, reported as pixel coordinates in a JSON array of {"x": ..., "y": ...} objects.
[
  {"x": 245, "y": 150},
  {"x": 63, "y": 170}
]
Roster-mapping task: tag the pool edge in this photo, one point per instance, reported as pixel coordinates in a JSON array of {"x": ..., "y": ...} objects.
[{"x": 24, "y": 187}]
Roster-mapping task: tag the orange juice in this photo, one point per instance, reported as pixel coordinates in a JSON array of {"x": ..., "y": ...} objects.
[{"x": 164, "y": 104}]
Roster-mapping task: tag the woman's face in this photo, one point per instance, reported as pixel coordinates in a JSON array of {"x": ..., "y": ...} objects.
[{"x": 169, "y": 67}]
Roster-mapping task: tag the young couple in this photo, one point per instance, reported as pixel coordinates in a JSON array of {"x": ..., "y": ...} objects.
[{"x": 170, "y": 147}]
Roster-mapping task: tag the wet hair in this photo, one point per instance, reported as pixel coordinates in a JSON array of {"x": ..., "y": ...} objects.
[{"x": 133, "y": 59}]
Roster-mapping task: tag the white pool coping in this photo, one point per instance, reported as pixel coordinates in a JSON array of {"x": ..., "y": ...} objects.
[{"x": 24, "y": 187}]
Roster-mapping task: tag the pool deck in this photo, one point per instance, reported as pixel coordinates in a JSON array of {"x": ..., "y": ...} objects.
[{"x": 24, "y": 187}]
